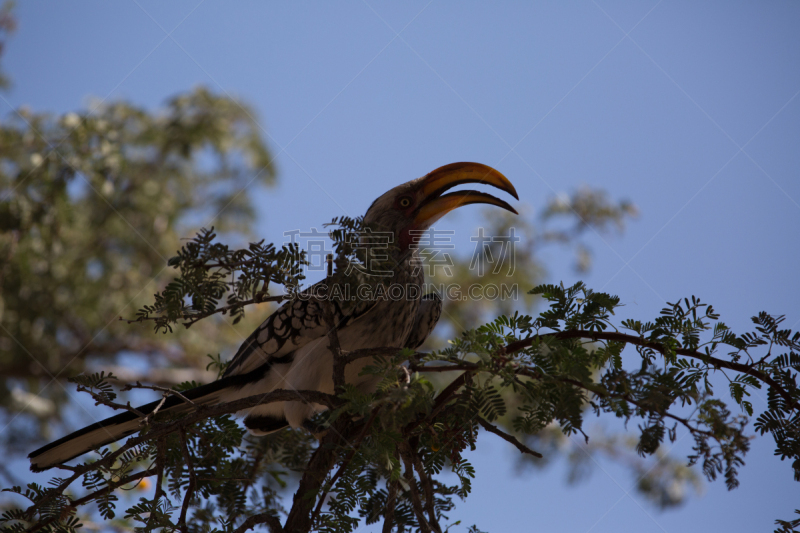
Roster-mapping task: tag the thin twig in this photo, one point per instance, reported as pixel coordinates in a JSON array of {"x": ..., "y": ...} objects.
[
  {"x": 416, "y": 504},
  {"x": 468, "y": 368},
  {"x": 190, "y": 318},
  {"x": 623, "y": 397},
  {"x": 146, "y": 420},
  {"x": 314, "y": 475},
  {"x": 66, "y": 467},
  {"x": 508, "y": 438},
  {"x": 345, "y": 464},
  {"x": 229, "y": 266},
  {"x": 521, "y": 344},
  {"x": 187, "y": 457},
  {"x": 640, "y": 341},
  {"x": 254, "y": 470},
  {"x": 272, "y": 521},
  {"x": 113, "y": 485},
  {"x": 427, "y": 486},
  {"x": 442, "y": 399},
  {"x": 165, "y": 390},
  {"x": 391, "y": 501},
  {"x": 164, "y": 429},
  {"x": 456, "y": 367},
  {"x": 99, "y": 400},
  {"x": 161, "y": 453}
]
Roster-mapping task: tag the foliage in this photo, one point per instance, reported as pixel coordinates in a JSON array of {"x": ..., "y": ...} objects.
[
  {"x": 8, "y": 24},
  {"x": 209, "y": 271},
  {"x": 207, "y": 275},
  {"x": 91, "y": 205},
  {"x": 382, "y": 456},
  {"x": 564, "y": 221},
  {"x": 567, "y": 217},
  {"x": 85, "y": 196}
]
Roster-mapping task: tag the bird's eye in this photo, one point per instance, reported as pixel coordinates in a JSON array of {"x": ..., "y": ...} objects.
[{"x": 405, "y": 201}]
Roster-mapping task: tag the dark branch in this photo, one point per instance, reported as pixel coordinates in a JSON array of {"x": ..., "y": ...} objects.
[
  {"x": 272, "y": 522},
  {"x": 416, "y": 503},
  {"x": 99, "y": 400},
  {"x": 427, "y": 486},
  {"x": 391, "y": 500},
  {"x": 345, "y": 464},
  {"x": 321, "y": 462},
  {"x": 639, "y": 341},
  {"x": 165, "y": 390},
  {"x": 516, "y": 346},
  {"x": 200, "y": 413},
  {"x": 443, "y": 398},
  {"x": 508, "y": 438},
  {"x": 187, "y": 458},
  {"x": 113, "y": 485},
  {"x": 190, "y": 318},
  {"x": 161, "y": 456}
]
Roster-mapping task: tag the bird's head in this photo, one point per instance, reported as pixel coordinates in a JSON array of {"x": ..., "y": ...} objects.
[{"x": 416, "y": 205}]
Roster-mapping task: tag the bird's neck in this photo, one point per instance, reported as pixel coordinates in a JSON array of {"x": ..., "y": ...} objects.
[{"x": 409, "y": 267}]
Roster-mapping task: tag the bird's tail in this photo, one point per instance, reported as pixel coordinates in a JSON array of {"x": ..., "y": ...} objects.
[{"x": 120, "y": 426}]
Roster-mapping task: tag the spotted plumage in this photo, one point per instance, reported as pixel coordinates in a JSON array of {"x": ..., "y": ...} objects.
[
  {"x": 289, "y": 350},
  {"x": 428, "y": 313}
]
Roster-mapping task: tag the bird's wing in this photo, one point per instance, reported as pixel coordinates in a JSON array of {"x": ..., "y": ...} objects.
[
  {"x": 428, "y": 313},
  {"x": 292, "y": 326}
]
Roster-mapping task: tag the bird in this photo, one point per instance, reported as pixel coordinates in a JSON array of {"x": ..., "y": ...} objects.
[{"x": 290, "y": 349}]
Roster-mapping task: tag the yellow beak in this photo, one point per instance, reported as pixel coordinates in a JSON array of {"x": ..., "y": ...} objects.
[{"x": 435, "y": 205}]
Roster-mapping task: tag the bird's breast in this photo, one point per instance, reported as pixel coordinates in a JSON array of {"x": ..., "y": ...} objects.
[{"x": 390, "y": 321}]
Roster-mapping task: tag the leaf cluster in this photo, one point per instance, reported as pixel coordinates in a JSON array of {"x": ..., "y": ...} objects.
[
  {"x": 210, "y": 271},
  {"x": 382, "y": 455},
  {"x": 86, "y": 195}
]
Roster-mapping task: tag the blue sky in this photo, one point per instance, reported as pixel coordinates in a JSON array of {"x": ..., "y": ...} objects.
[{"x": 690, "y": 110}]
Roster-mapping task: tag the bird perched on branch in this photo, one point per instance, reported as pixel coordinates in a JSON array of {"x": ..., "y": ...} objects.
[{"x": 291, "y": 350}]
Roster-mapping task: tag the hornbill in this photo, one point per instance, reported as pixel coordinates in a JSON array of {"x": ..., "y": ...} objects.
[{"x": 290, "y": 349}]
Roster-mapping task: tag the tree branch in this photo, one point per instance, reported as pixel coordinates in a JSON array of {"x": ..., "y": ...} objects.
[
  {"x": 391, "y": 500},
  {"x": 521, "y": 344},
  {"x": 200, "y": 413},
  {"x": 187, "y": 457},
  {"x": 272, "y": 521},
  {"x": 321, "y": 462},
  {"x": 113, "y": 485},
  {"x": 114, "y": 405},
  {"x": 443, "y": 398},
  {"x": 416, "y": 503},
  {"x": 508, "y": 438},
  {"x": 161, "y": 455},
  {"x": 468, "y": 368},
  {"x": 190, "y": 318},
  {"x": 427, "y": 486},
  {"x": 345, "y": 463},
  {"x": 165, "y": 390},
  {"x": 639, "y": 341},
  {"x": 626, "y": 398}
]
